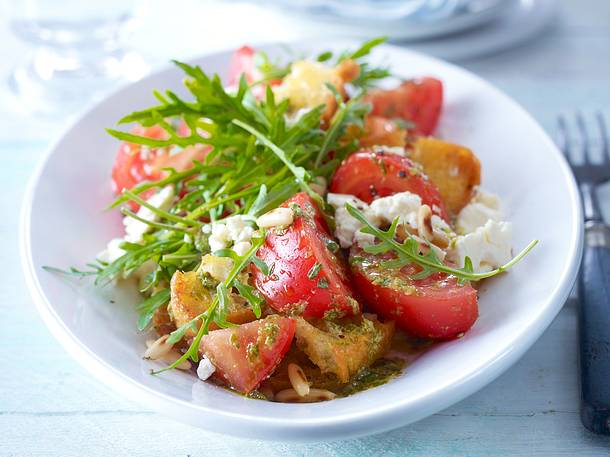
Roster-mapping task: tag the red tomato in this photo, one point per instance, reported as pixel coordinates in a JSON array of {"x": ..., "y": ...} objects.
[
  {"x": 134, "y": 164},
  {"x": 131, "y": 165},
  {"x": 242, "y": 62},
  {"x": 369, "y": 175},
  {"x": 247, "y": 354},
  {"x": 435, "y": 307},
  {"x": 419, "y": 101},
  {"x": 308, "y": 275}
]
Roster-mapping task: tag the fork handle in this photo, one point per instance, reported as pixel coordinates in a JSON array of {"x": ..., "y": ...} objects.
[{"x": 595, "y": 329}]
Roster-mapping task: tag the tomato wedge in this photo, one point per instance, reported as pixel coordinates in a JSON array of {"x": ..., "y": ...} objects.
[
  {"x": 134, "y": 163},
  {"x": 247, "y": 354},
  {"x": 419, "y": 101},
  {"x": 374, "y": 173},
  {"x": 242, "y": 62},
  {"x": 131, "y": 166},
  {"x": 308, "y": 277},
  {"x": 435, "y": 307}
]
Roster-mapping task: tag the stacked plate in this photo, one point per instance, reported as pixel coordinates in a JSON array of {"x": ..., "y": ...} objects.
[
  {"x": 450, "y": 29},
  {"x": 398, "y": 19}
]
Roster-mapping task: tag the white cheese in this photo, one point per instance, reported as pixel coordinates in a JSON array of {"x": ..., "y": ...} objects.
[
  {"x": 305, "y": 86},
  {"x": 488, "y": 246},
  {"x": 403, "y": 205},
  {"x": 135, "y": 229},
  {"x": 112, "y": 252},
  {"x": 241, "y": 247},
  {"x": 205, "y": 368},
  {"x": 483, "y": 207},
  {"x": 346, "y": 225},
  {"x": 236, "y": 231},
  {"x": 240, "y": 227},
  {"x": 220, "y": 238}
]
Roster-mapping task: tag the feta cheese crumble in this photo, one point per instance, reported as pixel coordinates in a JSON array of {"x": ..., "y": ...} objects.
[
  {"x": 346, "y": 225},
  {"x": 483, "y": 207},
  {"x": 135, "y": 229},
  {"x": 403, "y": 205},
  {"x": 235, "y": 231},
  {"x": 112, "y": 252},
  {"x": 205, "y": 369},
  {"x": 488, "y": 247}
]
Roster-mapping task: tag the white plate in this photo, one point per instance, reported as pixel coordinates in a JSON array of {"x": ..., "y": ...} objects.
[{"x": 63, "y": 224}]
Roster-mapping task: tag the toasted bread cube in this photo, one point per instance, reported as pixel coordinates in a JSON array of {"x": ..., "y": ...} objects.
[
  {"x": 344, "y": 350},
  {"x": 189, "y": 298},
  {"x": 454, "y": 169}
]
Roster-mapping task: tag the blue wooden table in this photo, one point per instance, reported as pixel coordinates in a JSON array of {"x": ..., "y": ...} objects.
[{"x": 49, "y": 406}]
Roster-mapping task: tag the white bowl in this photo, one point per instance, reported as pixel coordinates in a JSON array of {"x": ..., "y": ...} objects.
[{"x": 63, "y": 224}]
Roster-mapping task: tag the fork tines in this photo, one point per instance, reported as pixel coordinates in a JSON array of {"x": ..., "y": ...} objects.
[{"x": 584, "y": 141}]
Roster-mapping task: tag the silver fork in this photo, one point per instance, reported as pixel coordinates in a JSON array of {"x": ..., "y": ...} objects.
[{"x": 594, "y": 280}]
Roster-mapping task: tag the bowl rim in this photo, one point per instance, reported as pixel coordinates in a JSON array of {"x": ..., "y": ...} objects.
[{"x": 382, "y": 418}]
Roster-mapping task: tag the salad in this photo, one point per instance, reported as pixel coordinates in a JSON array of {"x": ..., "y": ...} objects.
[{"x": 296, "y": 232}]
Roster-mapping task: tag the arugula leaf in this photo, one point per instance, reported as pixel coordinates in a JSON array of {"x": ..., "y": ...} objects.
[
  {"x": 250, "y": 294},
  {"x": 365, "y": 48},
  {"x": 149, "y": 306}
]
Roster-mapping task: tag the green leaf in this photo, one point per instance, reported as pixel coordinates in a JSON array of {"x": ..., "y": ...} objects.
[
  {"x": 261, "y": 265},
  {"x": 324, "y": 56},
  {"x": 149, "y": 306},
  {"x": 222, "y": 310},
  {"x": 367, "y": 47},
  {"x": 250, "y": 294}
]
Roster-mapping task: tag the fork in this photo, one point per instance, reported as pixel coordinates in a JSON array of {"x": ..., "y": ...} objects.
[{"x": 594, "y": 279}]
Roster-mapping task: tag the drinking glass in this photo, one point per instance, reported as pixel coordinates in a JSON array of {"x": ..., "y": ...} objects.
[{"x": 78, "y": 51}]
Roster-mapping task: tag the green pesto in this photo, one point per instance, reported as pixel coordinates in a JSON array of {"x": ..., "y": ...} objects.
[
  {"x": 255, "y": 395},
  {"x": 314, "y": 271},
  {"x": 379, "y": 373},
  {"x": 323, "y": 283},
  {"x": 234, "y": 340},
  {"x": 252, "y": 352},
  {"x": 385, "y": 277},
  {"x": 332, "y": 245},
  {"x": 269, "y": 332}
]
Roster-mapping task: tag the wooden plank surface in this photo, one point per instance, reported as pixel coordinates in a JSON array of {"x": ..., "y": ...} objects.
[{"x": 49, "y": 406}]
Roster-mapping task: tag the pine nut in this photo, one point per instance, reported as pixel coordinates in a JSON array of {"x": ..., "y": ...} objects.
[
  {"x": 315, "y": 395},
  {"x": 275, "y": 218},
  {"x": 298, "y": 379},
  {"x": 424, "y": 223},
  {"x": 158, "y": 348}
]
